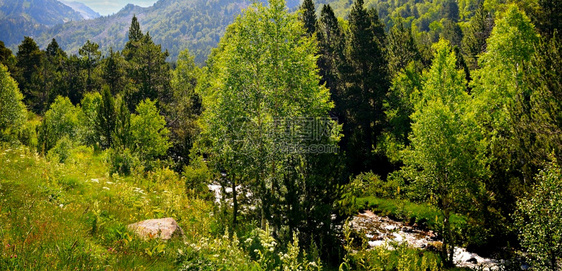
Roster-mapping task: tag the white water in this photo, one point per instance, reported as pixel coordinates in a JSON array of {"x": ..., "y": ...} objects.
[{"x": 383, "y": 231}]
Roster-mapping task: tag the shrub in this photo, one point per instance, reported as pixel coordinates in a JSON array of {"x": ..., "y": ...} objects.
[
  {"x": 59, "y": 121},
  {"x": 122, "y": 161},
  {"x": 62, "y": 150},
  {"x": 197, "y": 176}
]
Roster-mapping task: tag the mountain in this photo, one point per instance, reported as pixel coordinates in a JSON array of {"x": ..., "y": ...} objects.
[
  {"x": 175, "y": 24},
  {"x": 19, "y": 18},
  {"x": 86, "y": 12}
]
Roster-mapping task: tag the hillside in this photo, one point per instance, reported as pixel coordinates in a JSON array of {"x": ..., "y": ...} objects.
[
  {"x": 418, "y": 13},
  {"x": 175, "y": 24},
  {"x": 86, "y": 12},
  {"x": 29, "y": 18}
]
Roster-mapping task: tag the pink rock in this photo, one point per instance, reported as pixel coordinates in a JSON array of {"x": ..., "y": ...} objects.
[{"x": 163, "y": 228}]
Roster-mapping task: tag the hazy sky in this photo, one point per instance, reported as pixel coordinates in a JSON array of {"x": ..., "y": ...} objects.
[{"x": 106, "y": 7}]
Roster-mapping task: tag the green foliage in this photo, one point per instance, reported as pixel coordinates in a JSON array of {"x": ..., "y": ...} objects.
[
  {"x": 123, "y": 161},
  {"x": 367, "y": 83},
  {"x": 370, "y": 184},
  {"x": 393, "y": 257},
  {"x": 88, "y": 117},
  {"x": 539, "y": 219},
  {"x": 61, "y": 151},
  {"x": 28, "y": 73},
  {"x": 105, "y": 118},
  {"x": 147, "y": 68},
  {"x": 60, "y": 120},
  {"x": 502, "y": 111},
  {"x": 48, "y": 211},
  {"x": 13, "y": 113},
  {"x": 148, "y": 132},
  {"x": 445, "y": 156},
  {"x": 90, "y": 58},
  {"x": 197, "y": 178},
  {"x": 308, "y": 16},
  {"x": 249, "y": 100},
  {"x": 184, "y": 108}
]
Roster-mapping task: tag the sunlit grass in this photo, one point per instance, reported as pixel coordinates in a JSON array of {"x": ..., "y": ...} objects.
[{"x": 73, "y": 216}]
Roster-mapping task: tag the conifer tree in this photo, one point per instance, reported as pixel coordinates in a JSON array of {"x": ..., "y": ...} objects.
[
  {"x": 113, "y": 71},
  {"x": 367, "y": 85},
  {"x": 147, "y": 68},
  {"x": 105, "y": 123},
  {"x": 331, "y": 62},
  {"x": 474, "y": 39},
  {"x": 90, "y": 58},
  {"x": 308, "y": 16},
  {"x": 401, "y": 48},
  {"x": 28, "y": 73}
]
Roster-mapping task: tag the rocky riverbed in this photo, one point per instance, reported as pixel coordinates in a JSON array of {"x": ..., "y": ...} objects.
[{"x": 383, "y": 231}]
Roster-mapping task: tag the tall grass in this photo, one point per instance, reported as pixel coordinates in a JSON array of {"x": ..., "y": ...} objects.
[{"x": 73, "y": 216}]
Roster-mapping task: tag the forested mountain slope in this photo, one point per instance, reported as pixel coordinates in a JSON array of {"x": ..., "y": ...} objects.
[
  {"x": 175, "y": 24},
  {"x": 85, "y": 11},
  {"x": 30, "y": 17}
]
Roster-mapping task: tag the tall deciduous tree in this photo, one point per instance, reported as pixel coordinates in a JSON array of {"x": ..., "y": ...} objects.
[
  {"x": 444, "y": 158},
  {"x": 184, "y": 108},
  {"x": 260, "y": 98},
  {"x": 149, "y": 135},
  {"x": 539, "y": 219},
  {"x": 502, "y": 101},
  {"x": 12, "y": 110}
]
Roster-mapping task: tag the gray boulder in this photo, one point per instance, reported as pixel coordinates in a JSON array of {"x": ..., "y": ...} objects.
[{"x": 163, "y": 228}]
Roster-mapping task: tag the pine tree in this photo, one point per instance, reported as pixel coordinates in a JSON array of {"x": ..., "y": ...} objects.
[
  {"x": 90, "y": 58},
  {"x": 147, "y": 68},
  {"x": 113, "y": 71},
  {"x": 474, "y": 40},
  {"x": 7, "y": 58},
  {"x": 367, "y": 85},
  {"x": 331, "y": 44},
  {"x": 28, "y": 73},
  {"x": 401, "y": 48},
  {"x": 308, "y": 16},
  {"x": 105, "y": 124}
]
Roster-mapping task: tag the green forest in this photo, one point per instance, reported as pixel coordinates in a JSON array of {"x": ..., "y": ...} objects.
[{"x": 443, "y": 117}]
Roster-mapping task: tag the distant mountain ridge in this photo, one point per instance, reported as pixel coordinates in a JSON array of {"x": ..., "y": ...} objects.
[
  {"x": 19, "y": 18},
  {"x": 86, "y": 12},
  {"x": 175, "y": 24},
  {"x": 31, "y": 17}
]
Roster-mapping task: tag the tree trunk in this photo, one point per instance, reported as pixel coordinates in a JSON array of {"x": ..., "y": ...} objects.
[{"x": 234, "y": 202}]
